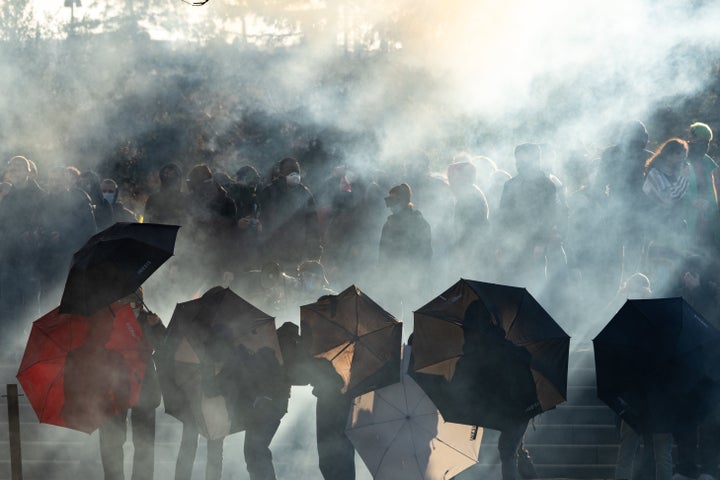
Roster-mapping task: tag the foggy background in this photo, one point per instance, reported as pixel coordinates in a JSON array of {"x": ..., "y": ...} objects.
[{"x": 125, "y": 86}]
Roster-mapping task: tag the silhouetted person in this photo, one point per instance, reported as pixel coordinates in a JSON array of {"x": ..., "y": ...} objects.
[
  {"x": 89, "y": 181},
  {"x": 169, "y": 205}
]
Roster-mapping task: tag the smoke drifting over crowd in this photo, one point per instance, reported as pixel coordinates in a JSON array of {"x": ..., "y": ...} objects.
[{"x": 366, "y": 85}]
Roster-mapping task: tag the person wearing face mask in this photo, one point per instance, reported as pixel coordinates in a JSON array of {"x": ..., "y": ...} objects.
[
  {"x": 290, "y": 227},
  {"x": 313, "y": 283},
  {"x": 405, "y": 246},
  {"x": 244, "y": 191},
  {"x": 111, "y": 192}
]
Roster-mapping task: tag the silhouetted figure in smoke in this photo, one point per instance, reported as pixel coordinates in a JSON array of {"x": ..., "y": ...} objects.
[
  {"x": 527, "y": 218},
  {"x": 169, "y": 205},
  {"x": 66, "y": 223},
  {"x": 89, "y": 182},
  {"x": 113, "y": 434},
  {"x": 666, "y": 185},
  {"x": 703, "y": 220},
  {"x": 470, "y": 223},
  {"x": 336, "y": 454},
  {"x": 486, "y": 353},
  {"x": 620, "y": 221},
  {"x": 20, "y": 220},
  {"x": 698, "y": 447},
  {"x": 111, "y": 193},
  {"x": 244, "y": 192},
  {"x": 211, "y": 221},
  {"x": 405, "y": 246},
  {"x": 290, "y": 228}
]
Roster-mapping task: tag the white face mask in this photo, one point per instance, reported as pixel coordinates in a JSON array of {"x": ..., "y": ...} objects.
[
  {"x": 396, "y": 208},
  {"x": 109, "y": 197},
  {"x": 292, "y": 179}
]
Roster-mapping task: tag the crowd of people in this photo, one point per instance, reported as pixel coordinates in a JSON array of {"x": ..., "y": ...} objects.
[{"x": 582, "y": 232}]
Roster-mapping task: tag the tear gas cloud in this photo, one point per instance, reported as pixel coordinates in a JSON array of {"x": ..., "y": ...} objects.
[{"x": 374, "y": 82}]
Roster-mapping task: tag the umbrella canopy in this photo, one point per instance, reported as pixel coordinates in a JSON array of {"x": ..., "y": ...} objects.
[
  {"x": 78, "y": 372},
  {"x": 489, "y": 354},
  {"x": 399, "y": 433},
  {"x": 114, "y": 263},
  {"x": 656, "y": 365},
  {"x": 211, "y": 346},
  {"x": 360, "y": 339}
]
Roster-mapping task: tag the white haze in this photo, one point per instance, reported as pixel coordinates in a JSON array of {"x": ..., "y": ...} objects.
[{"x": 472, "y": 75}]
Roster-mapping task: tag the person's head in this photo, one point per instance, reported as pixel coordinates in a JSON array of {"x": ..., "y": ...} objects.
[
  {"x": 312, "y": 275},
  {"x": 90, "y": 182},
  {"x": 478, "y": 321},
  {"x": 461, "y": 175},
  {"x": 199, "y": 176},
  {"x": 699, "y": 139},
  {"x": 672, "y": 152},
  {"x": 18, "y": 171},
  {"x": 289, "y": 169},
  {"x": 247, "y": 176},
  {"x": 637, "y": 285},
  {"x": 527, "y": 158},
  {"x": 110, "y": 190},
  {"x": 59, "y": 179},
  {"x": 634, "y": 136},
  {"x": 170, "y": 176},
  {"x": 398, "y": 197}
]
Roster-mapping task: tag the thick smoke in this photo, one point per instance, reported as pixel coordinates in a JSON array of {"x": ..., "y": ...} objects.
[{"x": 129, "y": 86}]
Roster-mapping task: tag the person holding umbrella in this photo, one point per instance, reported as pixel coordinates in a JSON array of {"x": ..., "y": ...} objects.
[
  {"x": 142, "y": 416},
  {"x": 482, "y": 334}
]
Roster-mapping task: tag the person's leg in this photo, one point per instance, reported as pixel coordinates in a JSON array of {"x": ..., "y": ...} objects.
[
  {"x": 143, "y": 437},
  {"x": 709, "y": 446},
  {"x": 629, "y": 443},
  {"x": 112, "y": 435},
  {"x": 686, "y": 441},
  {"x": 186, "y": 453},
  {"x": 508, "y": 444},
  {"x": 213, "y": 468},
  {"x": 336, "y": 453},
  {"x": 258, "y": 457},
  {"x": 526, "y": 468},
  {"x": 662, "y": 444}
]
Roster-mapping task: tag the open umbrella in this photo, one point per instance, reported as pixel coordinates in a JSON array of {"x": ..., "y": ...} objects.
[
  {"x": 487, "y": 354},
  {"x": 78, "y": 372},
  {"x": 359, "y": 338},
  {"x": 114, "y": 263},
  {"x": 399, "y": 433},
  {"x": 656, "y": 365},
  {"x": 210, "y": 345}
]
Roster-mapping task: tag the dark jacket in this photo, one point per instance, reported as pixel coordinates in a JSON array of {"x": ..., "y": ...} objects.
[{"x": 405, "y": 242}]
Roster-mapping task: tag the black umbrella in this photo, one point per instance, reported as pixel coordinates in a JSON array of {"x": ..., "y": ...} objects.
[
  {"x": 656, "y": 365},
  {"x": 219, "y": 349},
  {"x": 360, "y": 339},
  {"x": 489, "y": 354},
  {"x": 114, "y": 263}
]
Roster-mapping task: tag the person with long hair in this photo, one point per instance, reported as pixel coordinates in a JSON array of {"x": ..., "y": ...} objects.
[{"x": 667, "y": 178}]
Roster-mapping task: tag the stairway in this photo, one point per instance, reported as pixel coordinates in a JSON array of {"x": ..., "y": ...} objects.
[{"x": 576, "y": 440}]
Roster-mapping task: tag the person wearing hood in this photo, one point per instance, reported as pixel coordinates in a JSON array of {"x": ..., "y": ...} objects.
[
  {"x": 405, "y": 249},
  {"x": 111, "y": 193},
  {"x": 290, "y": 227}
]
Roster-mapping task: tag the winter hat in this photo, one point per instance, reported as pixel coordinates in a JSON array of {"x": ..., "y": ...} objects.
[{"x": 701, "y": 131}]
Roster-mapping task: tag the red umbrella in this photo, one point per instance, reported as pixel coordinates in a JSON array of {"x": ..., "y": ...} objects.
[{"x": 78, "y": 371}]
